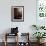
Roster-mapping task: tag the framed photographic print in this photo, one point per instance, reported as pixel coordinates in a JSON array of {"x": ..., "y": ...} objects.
[
  {"x": 17, "y": 13},
  {"x": 41, "y": 12},
  {"x": 41, "y": 8}
]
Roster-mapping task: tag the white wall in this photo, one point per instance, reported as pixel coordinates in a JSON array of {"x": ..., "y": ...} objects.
[{"x": 29, "y": 15}]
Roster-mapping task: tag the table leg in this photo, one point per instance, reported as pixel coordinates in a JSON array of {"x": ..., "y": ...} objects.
[{"x": 5, "y": 40}]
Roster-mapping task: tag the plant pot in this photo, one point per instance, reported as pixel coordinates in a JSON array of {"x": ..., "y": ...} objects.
[{"x": 40, "y": 41}]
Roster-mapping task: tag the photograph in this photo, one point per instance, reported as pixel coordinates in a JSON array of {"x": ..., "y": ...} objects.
[{"x": 17, "y": 13}]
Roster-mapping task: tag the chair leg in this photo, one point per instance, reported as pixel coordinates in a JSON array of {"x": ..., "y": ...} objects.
[
  {"x": 5, "y": 40},
  {"x": 17, "y": 39},
  {"x": 5, "y": 43}
]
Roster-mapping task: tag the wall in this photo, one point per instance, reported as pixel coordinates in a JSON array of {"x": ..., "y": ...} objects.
[{"x": 29, "y": 15}]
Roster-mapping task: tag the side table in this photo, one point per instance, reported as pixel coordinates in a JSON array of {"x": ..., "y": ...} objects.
[{"x": 9, "y": 34}]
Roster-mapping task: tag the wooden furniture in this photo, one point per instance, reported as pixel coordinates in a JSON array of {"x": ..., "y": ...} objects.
[
  {"x": 25, "y": 34},
  {"x": 8, "y": 35},
  {"x": 27, "y": 43}
]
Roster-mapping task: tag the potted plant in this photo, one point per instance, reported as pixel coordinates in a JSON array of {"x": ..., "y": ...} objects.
[
  {"x": 35, "y": 26},
  {"x": 39, "y": 35},
  {"x": 38, "y": 27}
]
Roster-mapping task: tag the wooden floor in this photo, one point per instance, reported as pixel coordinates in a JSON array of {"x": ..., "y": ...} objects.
[{"x": 13, "y": 44}]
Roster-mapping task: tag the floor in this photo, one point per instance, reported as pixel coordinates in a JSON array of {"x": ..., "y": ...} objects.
[{"x": 13, "y": 44}]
